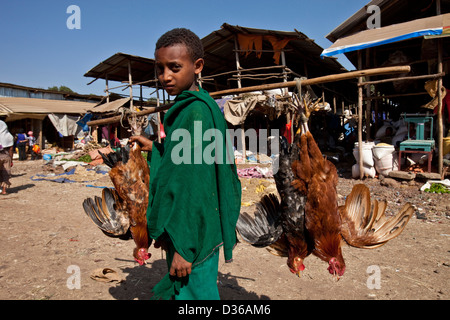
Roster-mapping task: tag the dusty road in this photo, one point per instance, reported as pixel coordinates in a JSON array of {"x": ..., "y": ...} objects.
[{"x": 49, "y": 248}]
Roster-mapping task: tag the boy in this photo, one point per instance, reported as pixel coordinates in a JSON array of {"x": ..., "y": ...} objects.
[
  {"x": 193, "y": 204},
  {"x": 31, "y": 145}
]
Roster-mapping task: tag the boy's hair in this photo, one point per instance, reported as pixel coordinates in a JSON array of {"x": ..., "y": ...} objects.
[{"x": 182, "y": 36}]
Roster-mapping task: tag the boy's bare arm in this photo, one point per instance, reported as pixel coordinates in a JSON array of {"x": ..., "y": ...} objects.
[{"x": 146, "y": 144}]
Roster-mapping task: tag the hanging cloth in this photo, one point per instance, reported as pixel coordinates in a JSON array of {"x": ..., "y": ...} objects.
[{"x": 277, "y": 45}]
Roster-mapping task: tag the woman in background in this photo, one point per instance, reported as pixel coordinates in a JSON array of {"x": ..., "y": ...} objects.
[
  {"x": 22, "y": 141},
  {"x": 6, "y": 155}
]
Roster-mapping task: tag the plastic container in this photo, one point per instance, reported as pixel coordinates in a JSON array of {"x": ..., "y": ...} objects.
[
  {"x": 382, "y": 150},
  {"x": 385, "y": 165},
  {"x": 446, "y": 145},
  {"x": 367, "y": 153},
  {"x": 383, "y": 157}
]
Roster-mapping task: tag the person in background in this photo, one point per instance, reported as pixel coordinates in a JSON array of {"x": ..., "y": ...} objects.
[
  {"x": 6, "y": 155},
  {"x": 22, "y": 142},
  {"x": 31, "y": 145}
]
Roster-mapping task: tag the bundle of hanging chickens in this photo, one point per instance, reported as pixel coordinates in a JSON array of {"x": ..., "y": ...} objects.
[
  {"x": 121, "y": 212},
  {"x": 307, "y": 219}
]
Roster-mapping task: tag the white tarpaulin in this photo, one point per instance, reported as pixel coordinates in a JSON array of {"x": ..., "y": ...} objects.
[{"x": 66, "y": 125}]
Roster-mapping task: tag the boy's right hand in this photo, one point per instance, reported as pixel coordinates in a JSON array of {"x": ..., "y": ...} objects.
[
  {"x": 146, "y": 144},
  {"x": 180, "y": 267}
]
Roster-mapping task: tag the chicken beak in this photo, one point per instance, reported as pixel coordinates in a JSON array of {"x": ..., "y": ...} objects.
[
  {"x": 141, "y": 262},
  {"x": 336, "y": 277}
]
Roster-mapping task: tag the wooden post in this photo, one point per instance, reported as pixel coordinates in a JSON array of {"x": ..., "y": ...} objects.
[
  {"x": 107, "y": 89},
  {"x": 158, "y": 118},
  {"x": 334, "y": 104},
  {"x": 368, "y": 102},
  {"x": 130, "y": 81},
  {"x": 238, "y": 67},
  {"x": 360, "y": 114},
  {"x": 283, "y": 62},
  {"x": 40, "y": 138},
  {"x": 439, "y": 115}
]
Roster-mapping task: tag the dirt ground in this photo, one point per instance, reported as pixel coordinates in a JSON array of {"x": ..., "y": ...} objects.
[{"x": 48, "y": 244}]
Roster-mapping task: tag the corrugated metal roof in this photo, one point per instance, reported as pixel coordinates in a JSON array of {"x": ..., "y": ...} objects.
[
  {"x": 10, "y": 105},
  {"x": 115, "y": 68},
  {"x": 14, "y": 90},
  {"x": 110, "y": 106},
  {"x": 302, "y": 55}
]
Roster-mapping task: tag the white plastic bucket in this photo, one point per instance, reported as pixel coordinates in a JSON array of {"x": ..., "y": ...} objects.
[
  {"x": 367, "y": 153},
  {"x": 381, "y": 150},
  {"x": 384, "y": 165},
  {"x": 383, "y": 156}
]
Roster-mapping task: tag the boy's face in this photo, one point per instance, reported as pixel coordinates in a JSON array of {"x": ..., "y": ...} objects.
[{"x": 175, "y": 69}]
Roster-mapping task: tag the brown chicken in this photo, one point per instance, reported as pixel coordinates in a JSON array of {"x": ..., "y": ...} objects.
[
  {"x": 321, "y": 224},
  {"x": 279, "y": 225},
  {"x": 122, "y": 212}
]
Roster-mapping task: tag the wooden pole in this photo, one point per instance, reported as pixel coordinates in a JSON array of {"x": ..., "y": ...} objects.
[
  {"x": 130, "y": 81},
  {"x": 319, "y": 80},
  {"x": 334, "y": 104},
  {"x": 369, "y": 102},
  {"x": 238, "y": 64},
  {"x": 439, "y": 115},
  {"x": 138, "y": 114},
  {"x": 107, "y": 89},
  {"x": 238, "y": 67},
  {"x": 360, "y": 115},
  {"x": 427, "y": 76}
]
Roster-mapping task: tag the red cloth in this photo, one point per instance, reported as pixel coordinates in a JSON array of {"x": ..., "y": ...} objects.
[
  {"x": 288, "y": 132},
  {"x": 445, "y": 103}
]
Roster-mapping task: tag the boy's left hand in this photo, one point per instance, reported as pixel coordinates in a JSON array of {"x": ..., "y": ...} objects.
[
  {"x": 146, "y": 144},
  {"x": 180, "y": 267}
]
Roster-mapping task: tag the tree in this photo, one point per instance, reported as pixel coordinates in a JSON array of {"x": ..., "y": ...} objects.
[{"x": 61, "y": 89}]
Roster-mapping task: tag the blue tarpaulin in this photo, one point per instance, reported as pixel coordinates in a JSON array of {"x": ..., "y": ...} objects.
[
  {"x": 63, "y": 177},
  {"x": 432, "y": 26}
]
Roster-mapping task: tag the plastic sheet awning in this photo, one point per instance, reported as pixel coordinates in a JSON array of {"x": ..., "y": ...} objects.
[{"x": 432, "y": 26}]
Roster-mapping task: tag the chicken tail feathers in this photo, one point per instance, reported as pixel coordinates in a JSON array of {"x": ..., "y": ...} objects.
[
  {"x": 263, "y": 228},
  {"x": 107, "y": 214},
  {"x": 111, "y": 159},
  {"x": 364, "y": 222}
]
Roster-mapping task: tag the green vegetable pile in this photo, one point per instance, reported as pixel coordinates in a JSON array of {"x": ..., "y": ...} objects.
[{"x": 437, "y": 188}]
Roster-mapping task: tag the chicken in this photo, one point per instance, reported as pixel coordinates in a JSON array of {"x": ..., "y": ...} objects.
[
  {"x": 311, "y": 220},
  {"x": 280, "y": 224},
  {"x": 121, "y": 212}
]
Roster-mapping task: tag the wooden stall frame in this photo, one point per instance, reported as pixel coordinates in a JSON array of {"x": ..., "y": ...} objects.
[{"x": 319, "y": 80}]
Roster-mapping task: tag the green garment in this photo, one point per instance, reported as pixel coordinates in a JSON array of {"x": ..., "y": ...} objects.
[
  {"x": 201, "y": 284},
  {"x": 193, "y": 201}
]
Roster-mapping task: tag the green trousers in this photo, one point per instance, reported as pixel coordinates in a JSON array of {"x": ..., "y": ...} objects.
[{"x": 201, "y": 284}]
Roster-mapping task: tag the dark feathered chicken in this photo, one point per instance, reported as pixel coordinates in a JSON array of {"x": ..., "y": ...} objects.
[
  {"x": 308, "y": 220},
  {"x": 280, "y": 225},
  {"x": 121, "y": 212}
]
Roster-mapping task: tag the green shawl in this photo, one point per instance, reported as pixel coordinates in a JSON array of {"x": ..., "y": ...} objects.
[{"x": 195, "y": 192}]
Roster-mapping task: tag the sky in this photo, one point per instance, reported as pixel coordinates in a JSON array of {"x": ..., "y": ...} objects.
[{"x": 38, "y": 49}]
